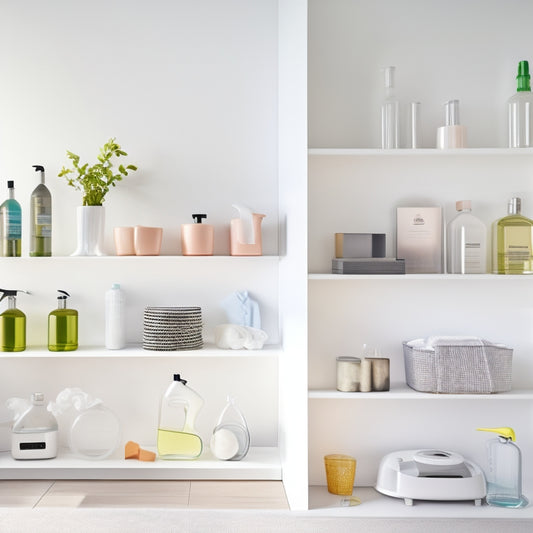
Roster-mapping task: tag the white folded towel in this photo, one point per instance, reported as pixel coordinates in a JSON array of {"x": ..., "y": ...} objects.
[{"x": 447, "y": 340}]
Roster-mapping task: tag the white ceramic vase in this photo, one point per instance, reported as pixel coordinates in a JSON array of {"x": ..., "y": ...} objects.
[{"x": 90, "y": 221}]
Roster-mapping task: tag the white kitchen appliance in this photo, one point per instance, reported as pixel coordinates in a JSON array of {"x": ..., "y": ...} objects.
[{"x": 430, "y": 475}]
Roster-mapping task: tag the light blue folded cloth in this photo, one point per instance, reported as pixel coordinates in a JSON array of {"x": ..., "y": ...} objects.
[{"x": 242, "y": 310}]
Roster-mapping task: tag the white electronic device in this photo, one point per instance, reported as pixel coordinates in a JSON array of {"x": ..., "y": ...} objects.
[{"x": 430, "y": 475}]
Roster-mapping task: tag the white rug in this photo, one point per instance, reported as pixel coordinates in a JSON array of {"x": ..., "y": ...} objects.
[{"x": 67, "y": 520}]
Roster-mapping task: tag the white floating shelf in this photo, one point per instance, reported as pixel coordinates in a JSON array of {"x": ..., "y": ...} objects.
[
  {"x": 420, "y": 152},
  {"x": 376, "y": 505},
  {"x": 453, "y": 277},
  {"x": 400, "y": 391},
  {"x": 259, "y": 464},
  {"x": 147, "y": 258},
  {"x": 209, "y": 350}
]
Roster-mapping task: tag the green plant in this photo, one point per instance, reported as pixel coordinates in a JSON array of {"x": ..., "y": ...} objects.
[{"x": 96, "y": 180}]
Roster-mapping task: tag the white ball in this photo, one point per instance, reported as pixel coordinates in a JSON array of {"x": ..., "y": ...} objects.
[{"x": 224, "y": 444}]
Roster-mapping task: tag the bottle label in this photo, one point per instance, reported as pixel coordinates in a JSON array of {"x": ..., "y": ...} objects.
[
  {"x": 43, "y": 225},
  {"x": 471, "y": 260},
  {"x": 43, "y": 220},
  {"x": 13, "y": 226}
]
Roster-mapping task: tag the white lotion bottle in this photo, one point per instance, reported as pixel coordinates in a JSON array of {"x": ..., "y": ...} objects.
[
  {"x": 466, "y": 242},
  {"x": 452, "y": 135},
  {"x": 115, "y": 323}
]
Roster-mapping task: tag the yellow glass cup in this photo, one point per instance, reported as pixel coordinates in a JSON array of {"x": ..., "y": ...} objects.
[{"x": 340, "y": 473}]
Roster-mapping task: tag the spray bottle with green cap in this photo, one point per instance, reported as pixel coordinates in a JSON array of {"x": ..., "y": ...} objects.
[
  {"x": 504, "y": 477},
  {"x": 63, "y": 326},
  {"x": 520, "y": 110},
  {"x": 40, "y": 218},
  {"x": 12, "y": 324}
]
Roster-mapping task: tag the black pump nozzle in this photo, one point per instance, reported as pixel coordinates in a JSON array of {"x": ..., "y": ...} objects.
[
  {"x": 199, "y": 217},
  {"x": 39, "y": 168},
  {"x": 177, "y": 377},
  {"x": 9, "y": 292},
  {"x": 62, "y": 299}
]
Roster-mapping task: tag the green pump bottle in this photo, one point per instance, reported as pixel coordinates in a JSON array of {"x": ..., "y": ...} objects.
[
  {"x": 63, "y": 326},
  {"x": 12, "y": 324}
]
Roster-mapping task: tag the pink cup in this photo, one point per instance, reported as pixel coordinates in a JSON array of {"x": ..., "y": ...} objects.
[
  {"x": 147, "y": 240},
  {"x": 124, "y": 240}
]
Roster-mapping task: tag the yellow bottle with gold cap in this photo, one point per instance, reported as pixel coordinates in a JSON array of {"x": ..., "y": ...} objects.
[{"x": 504, "y": 477}]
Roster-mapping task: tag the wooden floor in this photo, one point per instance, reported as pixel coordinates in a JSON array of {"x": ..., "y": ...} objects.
[{"x": 144, "y": 494}]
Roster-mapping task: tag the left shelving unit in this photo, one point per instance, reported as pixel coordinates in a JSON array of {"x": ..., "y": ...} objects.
[
  {"x": 130, "y": 381},
  {"x": 226, "y": 132}
]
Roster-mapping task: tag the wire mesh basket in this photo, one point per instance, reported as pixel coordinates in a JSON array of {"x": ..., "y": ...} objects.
[{"x": 458, "y": 368}]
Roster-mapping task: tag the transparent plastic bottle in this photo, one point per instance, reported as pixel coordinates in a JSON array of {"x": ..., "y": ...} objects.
[
  {"x": 520, "y": 110},
  {"x": 176, "y": 435},
  {"x": 513, "y": 242},
  {"x": 466, "y": 242},
  {"x": 10, "y": 224},
  {"x": 40, "y": 219},
  {"x": 504, "y": 476},
  {"x": 390, "y": 113}
]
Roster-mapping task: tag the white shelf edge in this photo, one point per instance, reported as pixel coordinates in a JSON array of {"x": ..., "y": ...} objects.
[
  {"x": 400, "y": 391},
  {"x": 376, "y": 505},
  {"x": 464, "y": 277},
  {"x": 419, "y": 152},
  {"x": 260, "y": 463},
  {"x": 209, "y": 350},
  {"x": 153, "y": 258}
]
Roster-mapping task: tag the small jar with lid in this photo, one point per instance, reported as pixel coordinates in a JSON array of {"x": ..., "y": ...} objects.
[{"x": 348, "y": 373}]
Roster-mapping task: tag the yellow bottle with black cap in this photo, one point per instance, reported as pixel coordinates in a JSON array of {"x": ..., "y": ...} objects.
[
  {"x": 63, "y": 326},
  {"x": 12, "y": 324}
]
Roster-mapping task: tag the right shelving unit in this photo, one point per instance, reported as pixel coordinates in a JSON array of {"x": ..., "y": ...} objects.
[{"x": 358, "y": 190}]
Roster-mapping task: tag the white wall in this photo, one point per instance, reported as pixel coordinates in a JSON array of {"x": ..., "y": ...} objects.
[
  {"x": 442, "y": 51},
  {"x": 190, "y": 90}
]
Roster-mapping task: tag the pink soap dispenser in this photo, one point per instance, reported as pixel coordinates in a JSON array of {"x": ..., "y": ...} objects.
[
  {"x": 197, "y": 238},
  {"x": 245, "y": 232}
]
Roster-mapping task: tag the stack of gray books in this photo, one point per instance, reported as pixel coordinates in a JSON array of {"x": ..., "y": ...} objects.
[{"x": 368, "y": 265}]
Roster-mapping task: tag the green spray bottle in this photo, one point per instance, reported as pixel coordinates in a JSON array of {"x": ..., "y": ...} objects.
[
  {"x": 12, "y": 324},
  {"x": 63, "y": 326}
]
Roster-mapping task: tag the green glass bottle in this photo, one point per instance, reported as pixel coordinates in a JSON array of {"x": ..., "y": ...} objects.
[
  {"x": 12, "y": 324},
  {"x": 10, "y": 224},
  {"x": 513, "y": 242},
  {"x": 63, "y": 326}
]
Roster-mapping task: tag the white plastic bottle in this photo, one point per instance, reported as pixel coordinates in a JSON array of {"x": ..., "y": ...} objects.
[
  {"x": 466, "y": 242},
  {"x": 115, "y": 323}
]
